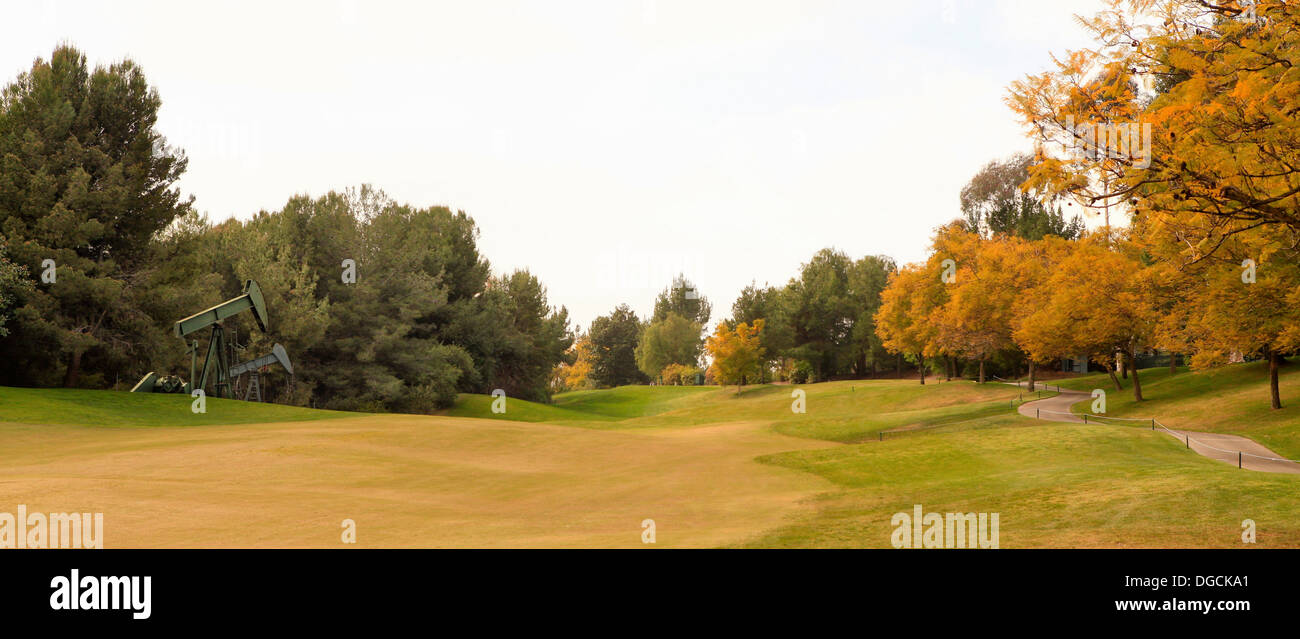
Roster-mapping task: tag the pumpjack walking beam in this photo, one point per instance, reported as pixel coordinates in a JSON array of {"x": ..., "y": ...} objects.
[
  {"x": 277, "y": 356},
  {"x": 218, "y": 355}
]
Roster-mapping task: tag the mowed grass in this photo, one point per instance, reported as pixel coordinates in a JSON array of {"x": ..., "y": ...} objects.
[
  {"x": 1053, "y": 485},
  {"x": 1232, "y": 399},
  {"x": 139, "y": 410},
  {"x": 164, "y": 480},
  {"x": 710, "y": 466}
]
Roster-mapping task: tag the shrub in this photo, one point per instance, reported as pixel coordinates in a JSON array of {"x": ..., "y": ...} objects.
[{"x": 802, "y": 372}]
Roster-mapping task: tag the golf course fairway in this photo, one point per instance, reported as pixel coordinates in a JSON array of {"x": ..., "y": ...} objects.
[{"x": 709, "y": 467}]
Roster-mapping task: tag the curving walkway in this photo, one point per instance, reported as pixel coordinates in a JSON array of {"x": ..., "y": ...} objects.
[
  {"x": 1225, "y": 448},
  {"x": 1052, "y": 409}
]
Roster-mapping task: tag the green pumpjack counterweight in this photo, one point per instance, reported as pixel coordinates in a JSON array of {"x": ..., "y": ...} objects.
[{"x": 217, "y": 362}]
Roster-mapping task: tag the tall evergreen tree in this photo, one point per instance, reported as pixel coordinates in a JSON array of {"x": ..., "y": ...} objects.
[
  {"x": 993, "y": 203},
  {"x": 13, "y": 282},
  {"x": 85, "y": 183},
  {"x": 614, "y": 340},
  {"x": 683, "y": 298}
]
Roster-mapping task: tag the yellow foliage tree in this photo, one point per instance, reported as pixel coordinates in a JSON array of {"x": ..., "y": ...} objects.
[
  {"x": 577, "y": 375},
  {"x": 1217, "y": 178},
  {"x": 1093, "y": 302},
  {"x": 1244, "y": 301},
  {"x": 1211, "y": 87},
  {"x": 736, "y": 353},
  {"x": 1034, "y": 262},
  {"x": 905, "y": 322},
  {"x": 975, "y": 321}
]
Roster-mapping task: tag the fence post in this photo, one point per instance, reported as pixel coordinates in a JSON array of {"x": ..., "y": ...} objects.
[
  {"x": 1085, "y": 418},
  {"x": 1189, "y": 440},
  {"x": 1153, "y": 423},
  {"x": 1238, "y": 459},
  {"x": 882, "y": 435},
  {"x": 1038, "y": 413}
]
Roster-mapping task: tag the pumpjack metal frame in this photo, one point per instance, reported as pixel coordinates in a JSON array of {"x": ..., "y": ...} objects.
[
  {"x": 216, "y": 363},
  {"x": 218, "y": 355}
]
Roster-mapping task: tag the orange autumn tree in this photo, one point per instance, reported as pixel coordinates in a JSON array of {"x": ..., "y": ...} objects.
[
  {"x": 1171, "y": 288},
  {"x": 1216, "y": 83},
  {"x": 1034, "y": 264},
  {"x": 1093, "y": 303},
  {"x": 736, "y": 353},
  {"x": 1219, "y": 175},
  {"x": 905, "y": 322},
  {"x": 992, "y": 275},
  {"x": 1246, "y": 301},
  {"x": 963, "y": 326}
]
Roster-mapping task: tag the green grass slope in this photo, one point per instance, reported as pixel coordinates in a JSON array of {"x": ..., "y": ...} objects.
[
  {"x": 629, "y": 402},
  {"x": 849, "y": 411},
  {"x": 120, "y": 409},
  {"x": 852, "y": 412},
  {"x": 621, "y": 407},
  {"x": 1053, "y": 485},
  {"x": 846, "y": 411},
  {"x": 518, "y": 410}
]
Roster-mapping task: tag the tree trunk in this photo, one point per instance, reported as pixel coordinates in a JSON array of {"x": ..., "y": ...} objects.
[
  {"x": 898, "y": 366},
  {"x": 1274, "y": 360},
  {"x": 74, "y": 371},
  {"x": 1111, "y": 371},
  {"x": 1032, "y": 369},
  {"x": 1137, "y": 383},
  {"x": 1119, "y": 363},
  {"x": 920, "y": 366},
  {"x": 981, "y": 370},
  {"x": 947, "y": 368},
  {"x": 1173, "y": 363}
]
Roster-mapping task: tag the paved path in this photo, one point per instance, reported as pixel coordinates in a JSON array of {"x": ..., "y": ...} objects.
[
  {"x": 1225, "y": 448},
  {"x": 1217, "y": 446},
  {"x": 1054, "y": 408}
]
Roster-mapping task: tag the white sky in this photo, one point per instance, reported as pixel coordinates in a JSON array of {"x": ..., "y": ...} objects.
[{"x": 603, "y": 145}]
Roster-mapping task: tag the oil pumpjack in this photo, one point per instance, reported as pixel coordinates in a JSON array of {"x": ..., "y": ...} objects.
[{"x": 217, "y": 366}]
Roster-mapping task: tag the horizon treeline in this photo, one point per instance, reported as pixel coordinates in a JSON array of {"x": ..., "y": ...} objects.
[{"x": 820, "y": 325}]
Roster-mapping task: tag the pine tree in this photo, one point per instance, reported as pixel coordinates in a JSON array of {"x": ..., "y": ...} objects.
[{"x": 85, "y": 183}]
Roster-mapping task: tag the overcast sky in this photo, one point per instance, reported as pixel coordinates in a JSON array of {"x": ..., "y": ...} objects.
[{"x": 603, "y": 145}]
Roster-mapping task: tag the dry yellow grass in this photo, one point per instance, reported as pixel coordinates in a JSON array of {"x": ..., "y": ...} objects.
[{"x": 409, "y": 481}]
